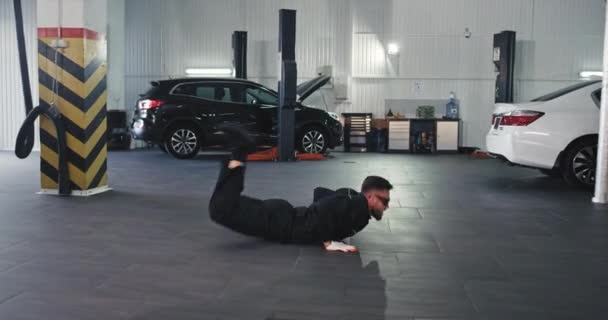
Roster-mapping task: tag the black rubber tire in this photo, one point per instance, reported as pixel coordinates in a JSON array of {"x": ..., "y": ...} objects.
[
  {"x": 582, "y": 153},
  {"x": 186, "y": 147},
  {"x": 553, "y": 173},
  {"x": 303, "y": 140},
  {"x": 127, "y": 142}
]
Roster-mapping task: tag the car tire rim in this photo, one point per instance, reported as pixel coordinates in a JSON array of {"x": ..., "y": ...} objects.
[
  {"x": 183, "y": 141},
  {"x": 583, "y": 165},
  {"x": 313, "y": 141}
]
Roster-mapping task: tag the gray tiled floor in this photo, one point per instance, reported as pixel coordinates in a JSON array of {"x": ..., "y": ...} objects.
[{"x": 466, "y": 239}]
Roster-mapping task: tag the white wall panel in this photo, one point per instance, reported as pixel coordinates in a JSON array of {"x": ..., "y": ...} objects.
[
  {"x": 69, "y": 13},
  {"x": 371, "y": 16},
  {"x": 440, "y": 61},
  {"x": 496, "y": 15},
  {"x": 369, "y": 58},
  {"x": 116, "y": 55},
  {"x": 556, "y": 40},
  {"x": 557, "y": 57},
  {"x": 473, "y": 62},
  {"x": 12, "y": 108},
  {"x": 143, "y": 39},
  {"x": 569, "y": 17},
  {"x": 198, "y": 34},
  {"x": 440, "y": 17},
  {"x": 200, "y": 31},
  {"x": 95, "y": 14}
]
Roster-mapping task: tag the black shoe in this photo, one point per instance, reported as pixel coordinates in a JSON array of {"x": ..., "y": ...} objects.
[{"x": 239, "y": 139}]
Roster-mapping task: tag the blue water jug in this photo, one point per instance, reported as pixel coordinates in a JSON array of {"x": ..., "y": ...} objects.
[{"x": 451, "y": 108}]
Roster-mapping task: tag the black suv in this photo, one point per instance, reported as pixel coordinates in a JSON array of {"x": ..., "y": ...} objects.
[{"x": 181, "y": 115}]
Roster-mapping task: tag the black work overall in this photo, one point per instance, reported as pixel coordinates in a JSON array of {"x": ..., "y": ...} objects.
[{"x": 334, "y": 215}]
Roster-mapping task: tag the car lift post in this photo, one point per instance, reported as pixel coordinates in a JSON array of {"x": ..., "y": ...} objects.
[
  {"x": 287, "y": 84},
  {"x": 239, "y": 49},
  {"x": 601, "y": 171}
]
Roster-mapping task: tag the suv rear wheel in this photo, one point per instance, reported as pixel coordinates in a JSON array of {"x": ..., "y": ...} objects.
[
  {"x": 579, "y": 163},
  {"x": 183, "y": 141}
]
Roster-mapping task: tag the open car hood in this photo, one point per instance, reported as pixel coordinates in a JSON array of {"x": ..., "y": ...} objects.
[{"x": 307, "y": 88}]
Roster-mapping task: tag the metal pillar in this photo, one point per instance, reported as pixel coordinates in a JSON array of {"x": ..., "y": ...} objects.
[
  {"x": 239, "y": 49},
  {"x": 601, "y": 173},
  {"x": 504, "y": 62},
  {"x": 287, "y": 84}
]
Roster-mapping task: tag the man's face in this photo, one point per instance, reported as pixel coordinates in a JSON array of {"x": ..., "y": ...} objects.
[{"x": 378, "y": 202}]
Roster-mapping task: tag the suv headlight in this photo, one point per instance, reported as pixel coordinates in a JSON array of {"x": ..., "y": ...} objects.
[{"x": 334, "y": 115}]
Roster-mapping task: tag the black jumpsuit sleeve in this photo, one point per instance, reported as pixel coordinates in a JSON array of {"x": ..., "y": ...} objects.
[
  {"x": 337, "y": 216},
  {"x": 321, "y": 192}
]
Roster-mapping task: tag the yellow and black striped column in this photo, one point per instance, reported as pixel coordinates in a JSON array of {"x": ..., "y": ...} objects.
[{"x": 74, "y": 79}]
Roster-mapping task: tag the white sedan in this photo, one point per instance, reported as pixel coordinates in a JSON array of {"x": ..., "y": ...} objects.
[{"x": 556, "y": 133}]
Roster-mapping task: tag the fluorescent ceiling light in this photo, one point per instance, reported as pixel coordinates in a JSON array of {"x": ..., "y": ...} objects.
[
  {"x": 209, "y": 71},
  {"x": 589, "y": 74},
  {"x": 392, "y": 48}
]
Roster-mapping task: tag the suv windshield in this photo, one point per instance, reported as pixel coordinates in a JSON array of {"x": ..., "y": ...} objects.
[{"x": 561, "y": 92}]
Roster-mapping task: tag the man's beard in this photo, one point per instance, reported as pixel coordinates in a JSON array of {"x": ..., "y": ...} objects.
[{"x": 376, "y": 214}]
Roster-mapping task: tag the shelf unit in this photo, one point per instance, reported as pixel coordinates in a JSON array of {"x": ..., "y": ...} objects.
[
  {"x": 399, "y": 135},
  {"x": 357, "y": 129},
  {"x": 440, "y": 135}
]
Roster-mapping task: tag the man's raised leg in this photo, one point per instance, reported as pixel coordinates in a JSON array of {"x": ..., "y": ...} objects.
[{"x": 228, "y": 206}]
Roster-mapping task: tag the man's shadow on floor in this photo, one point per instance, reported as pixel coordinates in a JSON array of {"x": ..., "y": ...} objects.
[{"x": 324, "y": 286}]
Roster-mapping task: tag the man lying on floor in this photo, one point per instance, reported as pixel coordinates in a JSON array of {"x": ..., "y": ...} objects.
[{"x": 332, "y": 217}]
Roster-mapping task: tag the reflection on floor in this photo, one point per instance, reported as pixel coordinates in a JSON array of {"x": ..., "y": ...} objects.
[{"x": 465, "y": 239}]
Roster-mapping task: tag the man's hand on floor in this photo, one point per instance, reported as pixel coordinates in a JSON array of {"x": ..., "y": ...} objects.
[{"x": 339, "y": 246}]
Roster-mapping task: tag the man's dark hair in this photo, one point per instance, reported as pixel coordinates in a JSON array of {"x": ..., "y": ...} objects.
[{"x": 375, "y": 182}]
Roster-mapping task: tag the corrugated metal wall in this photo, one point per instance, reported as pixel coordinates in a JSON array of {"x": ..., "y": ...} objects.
[
  {"x": 198, "y": 34},
  {"x": 12, "y": 109},
  {"x": 556, "y": 40}
]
